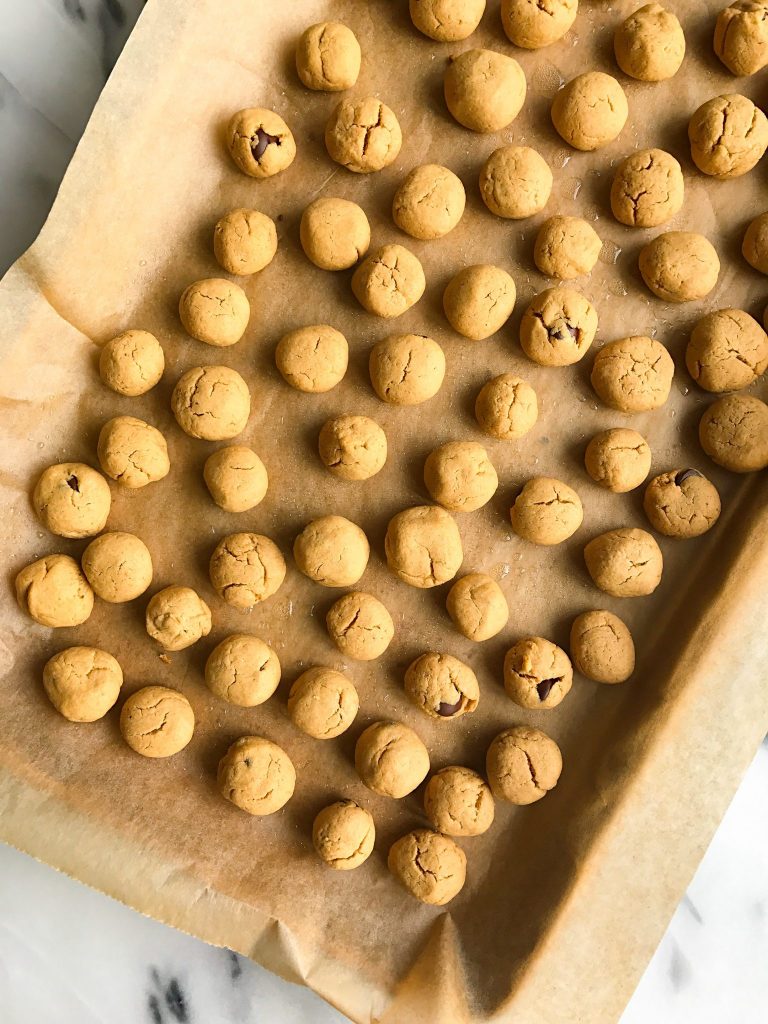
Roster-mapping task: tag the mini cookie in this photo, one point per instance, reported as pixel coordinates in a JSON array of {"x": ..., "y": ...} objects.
[
  {"x": 460, "y": 476},
  {"x": 479, "y": 300},
  {"x": 458, "y": 802},
  {"x": 754, "y": 248},
  {"x": 260, "y": 142},
  {"x": 506, "y": 407},
  {"x": 406, "y": 369},
  {"x": 332, "y": 551},
  {"x": 523, "y": 764},
  {"x": 54, "y": 591},
  {"x": 515, "y": 182},
  {"x": 236, "y": 478},
  {"x": 334, "y": 233},
  {"x": 602, "y": 647},
  {"x": 446, "y": 21},
  {"x": 157, "y": 722},
  {"x": 389, "y": 281},
  {"x": 177, "y": 618},
  {"x": 680, "y": 266},
  {"x": 391, "y": 759},
  {"x": 484, "y": 90},
  {"x": 313, "y": 359},
  {"x": 532, "y": 24},
  {"x": 429, "y": 865},
  {"x": 650, "y": 44},
  {"x": 728, "y": 350},
  {"x": 132, "y": 452},
  {"x": 244, "y": 242},
  {"x": 423, "y": 546},
  {"x": 215, "y": 311},
  {"x": 537, "y": 673},
  {"x": 741, "y": 36},
  {"x": 82, "y": 683},
  {"x": 322, "y": 703},
  {"x": 566, "y": 247},
  {"x": 728, "y": 136},
  {"x": 242, "y": 670},
  {"x": 246, "y": 568},
  {"x": 429, "y": 203},
  {"x": 352, "y": 447},
  {"x": 558, "y": 327},
  {"x": 132, "y": 363},
  {"x": 360, "y": 626},
  {"x": 118, "y": 567},
  {"x": 648, "y": 189},
  {"x": 328, "y": 57},
  {"x": 546, "y": 511},
  {"x": 590, "y": 111},
  {"x": 681, "y": 503},
  {"x": 734, "y": 433},
  {"x": 256, "y": 775},
  {"x": 477, "y": 606},
  {"x": 618, "y": 459},
  {"x": 212, "y": 403},
  {"x": 633, "y": 374},
  {"x": 343, "y": 835},
  {"x": 624, "y": 563},
  {"x": 363, "y": 135},
  {"x": 72, "y": 500},
  {"x": 442, "y": 686}
]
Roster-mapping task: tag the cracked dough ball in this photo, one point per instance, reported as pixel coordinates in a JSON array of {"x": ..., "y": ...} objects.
[
  {"x": 212, "y": 403},
  {"x": 236, "y": 478},
  {"x": 734, "y": 433},
  {"x": 391, "y": 759},
  {"x": 728, "y": 350},
  {"x": 260, "y": 142},
  {"x": 177, "y": 618},
  {"x": 54, "y": 591},
  {"x": 328, "y": 57},
  {"x": 363, "y": 135},
  {"x": 132, "y": 452},
  {"x": 406, "y": 369},
  {"x": 523, "y": 764},
  {"x": 506, "y": 407},
  {"x": 334, "y": 233},
  {"x": 681, "y": 503},
  {"x": 313, "y": 359},
  {"x": 244, "y": 242},
  {"x": 442, "y": 686},
  {"x": 558, "y": 327},
  {"x": 446, "y": 21},
  {"x": 648, "y": 189},
  {"x": 479, "y": 300},
  {"x": 458, "y": 802},
  {"x": 566, "y": 247},
  {"x": 343, "y": 835},
  {"x": 602, "y": 647},
  {"x": 246, "y": 568},
  {"x": 429, "y": 203},
  {"x": 423, "y": 546},
  {"x": 431, "y": 866},
  {"x": 633, "y": 374},
  {"x": 132, "y": 363},
  {"x": 484, "y": 90},
  {"x": 360, "y": 626},
  {"x": 322, "y": 703},
  {"x": 537, "y": 673},
  {"x": 650, "y": 44},
  {"x": 624, "y": 563},
  {"x": 754, "y": 248},
  {"x": 242, "y": 670},
  {"x": 590, "y": 111},
  {"x": 256, "y": 775},
  {"x": 157, "y": 722},
  {"x": 728, "y": 136},
  {"x": 72, "y": 500},
  {"x": 82, "y": 683},
  {"x": 389, "y": 281},
  {"x": 532, "y": 24},
  {"x": 618, "y": 459},
  {"x": 477, "y": 606},
  {"x": 353, "y": 447},
  {"x": 118, "y": 567},
  {"x": 680, "y": 266},
  {"x": 546, "y": 511},
  {"x": 515, "y": 182},
  {"x": 741, "y": 36},
  {"x": 332, "y": 551},
  {"x": 460, "y": 476},
  {"x": 215, "y": 311}
]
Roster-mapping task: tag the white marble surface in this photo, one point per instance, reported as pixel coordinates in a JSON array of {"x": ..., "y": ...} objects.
[{"x": 72, "y": 956}]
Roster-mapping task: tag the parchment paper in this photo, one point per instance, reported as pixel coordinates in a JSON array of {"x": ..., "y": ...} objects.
[{"x": 565, "y": 900}]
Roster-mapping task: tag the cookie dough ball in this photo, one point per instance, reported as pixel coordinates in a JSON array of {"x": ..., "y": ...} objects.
[
  {"x": 406, "y": 369},
  {"x": 82, "y": 683},
  {"x": 260, "y": 142},
  {"x": 442, "y": 686},
  {"x": 118, "y": 567},
  {"x": 256, "y": 775},
  {"x": 212, "y": 403},
  {"x": 332, "y": 551},
  {"x": 523, "y": 764},
  {"x": 313, "y": 359},
  {"x": 423, "y": 546},
  {"x": 754, "y": 248},
  {"x": 546, "y": 511},
  {"x": 650, "y": 44},
  {"x": 484, "y": 90},
  {"x": 429, "y": 865},
  {"x": 515, "y": 182},
  {"x": 477, "y": 606},
  {"x": 479, "y": 300},
  {"x": 728, "y": 350},
  {"x": 728, "y": 136},
  {"x": 322, "y": 703},
  {"x": 360, "y": 626},
  {"x": 681, "y": 503},
  {"x": 566, "y": 247},
  {"x": 618, "y": 459},
  {"x": 157, "y": 722},
  {"x": 734, "y": 433},
  {"x": 633, "y": 374},
  {"x": 429, "y": 203},
  {"x": 343, "y": 835},
  {"x": 334, "y": 233},
  {"x": 624, "y": 563},
  {"x": 648, "y": 189},
  {"x": 328, "y": 57},
  {"x": 506, "y": 407},
  {"x": 531, "y": 24},
  {"x": 558, "y": 327},
  {"x": 72, "y": 500},
  {"x": 446, "y": 21},
  {"x": 537, "y": 673},
  {"x": 236, "y": 478},
  {"x": 741, "y": 36},
  {"x": 460, "y": 476},
  {"x": 132, "y": 452},
  {"x": 391, "y": 759},
  {"x": 389, "y": 281},
  {"x": 353, "y": 447},
  {"x": 215, "y": 311},
  {"x": 590, "y": 111},
  {"x": 244, "y": 242},
  {"x": 246, "y": 568},
  {"x": 602, "y": 647},
  {"x": 363, "y": 135},
  {"x": 132, "y": 363},
  {"x": 177, "y": 618},
  {"x": 242, "y": 670},
  {"x": 680, "y": 266},
  {"x": 458, "y": 802},
  {"x": 54, "y": 591}
]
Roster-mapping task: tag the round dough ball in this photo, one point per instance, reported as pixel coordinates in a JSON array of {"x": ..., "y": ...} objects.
[
  {"x": 132, "y": 363},
  {"x": 680, "y": 266},
  {"x": 442, "y": 686},
  {"x": 313, "y": 359},
  {"x": 523, "y": 764},
  {"x": 506, "y": 407},
  {"x": 633, "y": 374},
  {"x": 54, "y": 591},
  {"x": 322, "y": 703},
  {"x": 681, "y": 503},
  {"x": 460, "y": 476},
  {"x": 391, "y": 759},
  {"x": 754, "y": 248},
  {"x": 406, "y": 369},
  {"x": 132, "y": 452},
  {"x": 624, "y": 563},
  {"x": 590, "y": 111},
  {"x": 566, "y": 247},
  {"x": 429, "y": 203},
  {"x": 515, "y": 182},
  {"x": 363, "y": 135},
  {"x": 157, "y": 722},
  {"x": 558, "y": 327},
  {"x": 429, "y": 865},
  {"x": 236, "y": 478},
  {"x": 602, "y": 648},
  {"x": 728, "y": 350},
  {"x": 532, "y": 24},
  {"x": 118, "y": 567},
  {"x": 72, "y": 500},
  {"x": 648, "y": 189},
  {"x": 246, "y": 568},
  {"x": 242, "y": 670},
  {"x": 728, "y": 136},
  {"x": 479, "y": 300},
  {"x": 446, "y": 21},
  {"x": 360, "y": 626},
  {"x": 82, "y": 683},
  {"x": 215, "y": 311},
  {"x": 537, "y": 673},
  {"x": 423, "y": 546},
  {"x": 618, "y": 459},
  {"x": 458, "y": 802},
  {"x": 484, "y": 90},
  {"x": 741, "y": 36},
  {"x": 177, "y": 618},
  {"x": 328, "y": 57},
  {"x": 343, "y": 835},
  {"x": 212, "y": 403},
  {"x": 546, "y": 511},
  {"x": 256, "y": 775},
  {"x": 477, "y": 606},
  {"x": 734, "y": 433},
  {"x": 332, "y": 551},
  {"x": 650, "y": 44},
  {"x": 244, "y": 242},
  {"x": 353, "y": 447},
  {"x": 334, "y": 233},
  {"x": 389, "y": 281},
  {"x": 260, "y": 142}
]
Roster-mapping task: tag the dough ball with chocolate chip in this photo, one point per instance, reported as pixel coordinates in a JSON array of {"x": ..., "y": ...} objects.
[
  {"x": 523, "y": 764},
  {"x": 360, "y": 626},
  {"x": 244, "y": 242},
  {"x": 442, "y": 686},
  {"x": 157, "y": 721},
  {"x": 506, "y": 407},
  {"x": 363, "y": 135},
  {"x": 484, "y": 90},
  {"x": 177, "y": 617},
  {"x": 132, "y": 363},
  {"x": 650, "y": 44},
  {"x": 429, "y": 203},
  {"x": 601, "y": 647},
  {"x": 322, "y": 703},
  {"x": 246, "y": 568},
  {"x": 54, "y": 591},
  {"x": 406, "y": 369},
  {"x": 389, "y": 281},
  {"x": 590, "y": 111},
  {"x": 728, "y": 350},
  {"x": 625, "y": 562},
  {"x": 479, "y": 300},
  {"x": 566, "y": 247},
  {"x": 212, "y": 403},
  {"x": 215, "y": 311},
  {"x": 353, "y": 447},
  {"x": 648, "y": 189},
  {"x": 391, "y": 759},
  {"x": 423, "y": 546},
  {"x": 343, "y": 835},
  {"x": 741, "y": 36},
  {"x": 313, "y": 359},
  {"x": 72, "y": 500},
  {"x": 82, "y": 683},
  {"x": 334, "y": 233},
  {"x": 515, "y": 182},
  {"x": 132, "y": 452},
  {"x": 546, "y": 511},
  {"x": 446, "y": 21},
  {"x": 236, "y": 478},
  {"x": 328, "y": 57},
  {"x": 118, "y": 567},
  {"x": 754, "y": 248},
  {"x": 734, "y": 433},
  {"x": 537, "y": 673},
  {"x": 460, "y": 476},
  {"x": 242, "y": 670},
  {"x": 260, "y": 142},
  {"x": 728, "y": 136},
  {"x": 618, "y": 459},
  {"x": 477, "y": 606},
  {"x": 633, "y": 374},
  {"x": 431, "y": 866},
  {"x": 459, "y": 802},
  {"x": 332, "y": 551},
  {"x": 681, "y": 503},
  {"x": 532, "y": 24},
  {"x": 256, "y": 775},
  {"x": 558, "y": 327}
]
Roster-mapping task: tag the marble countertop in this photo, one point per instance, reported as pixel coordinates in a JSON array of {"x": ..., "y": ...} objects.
[{"x": 116, "y": 966}]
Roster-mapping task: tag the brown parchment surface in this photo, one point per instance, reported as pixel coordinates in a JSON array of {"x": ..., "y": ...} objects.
[{"x": 565, "y": 900}]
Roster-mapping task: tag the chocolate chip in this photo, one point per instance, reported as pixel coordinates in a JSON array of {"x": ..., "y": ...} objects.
[
  {"x": 544, "y": 687},
  {"x": 259, "y": 142},
  {"x": 685, "y": 474},
  {"x": 562, "y": 332},
  {"x": 448, "y": 710},
  {"x": 74, "y": 483}
]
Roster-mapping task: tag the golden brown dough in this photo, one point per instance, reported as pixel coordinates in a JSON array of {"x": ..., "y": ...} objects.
[
  {"x": 343, "y": 835},
  {"x": 132, "y": 363},
  {"x": 431, "y": 866},
  {"x": 256, "y": 775},
  {"x": 484, "y": 90},
  {"x": 157, "y": 722},
  {"x": 260, "y": 142},
  {"x": 363, "y": 135},
  {"x": 602, "y": 647},
  {"x": 54, "y": 591},
  {"x": 246, "y": 568},
  {"x": 72, "y": 500},
  {"x": 523, "y": 764},
  {"x": 442, "y": 686},
  {"x": 423, "y": 546},
  {"x": 82, "y": 683},
  {"x": 328, "y": 57}
]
